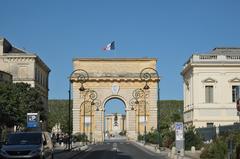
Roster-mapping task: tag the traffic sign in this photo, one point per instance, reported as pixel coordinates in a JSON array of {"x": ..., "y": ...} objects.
[{"x": 32, "y": 120}]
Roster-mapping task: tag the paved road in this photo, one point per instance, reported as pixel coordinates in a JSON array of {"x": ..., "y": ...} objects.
[{"x": 116, "y": 150}]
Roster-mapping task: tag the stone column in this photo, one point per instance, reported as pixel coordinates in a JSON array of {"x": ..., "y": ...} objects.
[
  {"x": 98, "y": 130},
  {"x": 152, "y": 122},
  {"x": 76, "y": 120},
  {"x": 131, "y": 127}
]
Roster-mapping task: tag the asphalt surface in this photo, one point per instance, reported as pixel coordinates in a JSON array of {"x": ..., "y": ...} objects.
[{"x": 113, "y": 150}]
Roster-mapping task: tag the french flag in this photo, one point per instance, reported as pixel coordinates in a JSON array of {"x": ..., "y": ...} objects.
[{"x": 110, "y": 46}]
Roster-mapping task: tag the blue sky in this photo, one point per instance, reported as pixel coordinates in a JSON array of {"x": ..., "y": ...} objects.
[{"x": 169, "y": 30}]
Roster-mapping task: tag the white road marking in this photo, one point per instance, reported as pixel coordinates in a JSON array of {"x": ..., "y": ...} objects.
[{"x": 115, "y": 147}]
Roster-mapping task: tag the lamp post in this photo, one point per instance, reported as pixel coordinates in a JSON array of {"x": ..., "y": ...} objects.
[
  {"x": 90, "y": 97},
  {"x": 81, "y": 76},
  {"x": 140, "y": 95},
  {"x": 133, "y": 105},
  {"x": 146, "y": 75},
  {"x": 94, "y": 102}
]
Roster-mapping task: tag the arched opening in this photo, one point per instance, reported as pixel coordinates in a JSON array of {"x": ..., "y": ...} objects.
[{"x": 115, "y": 119}]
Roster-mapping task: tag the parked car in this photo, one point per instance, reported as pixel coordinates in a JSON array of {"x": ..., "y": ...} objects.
[{"x": 31, "y": 145}]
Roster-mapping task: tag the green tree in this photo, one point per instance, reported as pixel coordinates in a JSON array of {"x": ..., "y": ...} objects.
[
  {"x": 58, "y": 113},
  {"x": 16, "y": 100},
  {"x": 192, "y": 138},
  {"x": 171, "y": 111},
  {"x": 216, "y": 150}
]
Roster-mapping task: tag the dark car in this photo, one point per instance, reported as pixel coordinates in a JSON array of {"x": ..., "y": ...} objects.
[{"x": 30, "y": 145}]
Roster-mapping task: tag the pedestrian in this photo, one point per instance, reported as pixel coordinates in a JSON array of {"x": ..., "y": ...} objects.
[
  {"x": 57, "y": 138},
  {"x": 53, "y": 139}
]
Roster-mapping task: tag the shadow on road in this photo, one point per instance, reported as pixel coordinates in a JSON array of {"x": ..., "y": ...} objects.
[{"x": 120, "y": 155}]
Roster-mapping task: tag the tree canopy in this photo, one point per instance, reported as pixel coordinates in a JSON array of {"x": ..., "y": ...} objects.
[
  {"x": 16, "y": 100},
  {"x": 58, "y": 113},
  {"x": 170, "y": 111}
]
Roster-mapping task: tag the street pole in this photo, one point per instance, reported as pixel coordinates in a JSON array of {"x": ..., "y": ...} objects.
[
  {"x": 69, "y": 116},
  {"x": 91, "y": 123},
  {"x": 84, "y": 122},
  {"x": 146, "y": 75},
  {"x": 81, "y": 76},
  {"x": 139, "y": 96},
  {"x": 82, "y": 80},
  {"x": 138, "y": 122},
  {"x": 145, "y": 119},
  {"x": 158, "y": 113}
]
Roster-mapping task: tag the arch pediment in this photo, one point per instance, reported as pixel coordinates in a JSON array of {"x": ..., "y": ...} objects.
[
  {"x": 209, "y": 80},
  {"x": 235, "y": 80}
]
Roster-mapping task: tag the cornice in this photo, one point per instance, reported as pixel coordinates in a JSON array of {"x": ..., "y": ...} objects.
[
  {"x": 236, "y": 79},
  {"x": 209, "y": 80},
  {"x": 25, "y": 57},
  {"x": 19, "y": 58},
  {"x": 38, "y": 60},
  {"x": 114, "y": 59},
  {"x": 116, "y": 80}
]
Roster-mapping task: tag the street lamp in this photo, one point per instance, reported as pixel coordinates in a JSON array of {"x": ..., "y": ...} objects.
[
  {"x": 139, "y": 95},
  {"x": 146, "y": 75},
  {"x": 94, "y": 102},
  {"x": 90, "y": 97},
  {"x": 134, "y": 103},
  {"x": 81, "y": 76}
]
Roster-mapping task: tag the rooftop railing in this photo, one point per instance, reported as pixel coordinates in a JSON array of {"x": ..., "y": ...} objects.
[{"x": 209, "y": 58}]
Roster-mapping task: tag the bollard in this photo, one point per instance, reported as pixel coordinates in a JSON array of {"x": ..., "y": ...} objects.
[
  {"x": 169, "y": 154},
  {"x": 193, "y": 149},
  {"x": 173, "y": 152},
  {"x": 182, "y": 153}
]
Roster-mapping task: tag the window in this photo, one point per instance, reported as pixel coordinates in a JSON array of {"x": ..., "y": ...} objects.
[
  {"x": 24, "y": 139},
  {"x": 35, "y": 73},
  {"x": 209, "y": 125},
  {"x": 209, "y": 94},
  {"x": 235, "y": 93}
]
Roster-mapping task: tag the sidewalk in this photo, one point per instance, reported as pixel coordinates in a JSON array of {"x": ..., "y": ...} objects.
[
  {"x": 61, "y": 152},
  {"x": 167, "y": 152},
  {"x": 74, "y": 147},
  {"x": 152, "y": 148},
  {"x": 195, "y": 155}
]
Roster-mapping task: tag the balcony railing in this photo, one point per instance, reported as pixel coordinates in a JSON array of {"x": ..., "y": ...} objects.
[{"x": 208, "y": 58}]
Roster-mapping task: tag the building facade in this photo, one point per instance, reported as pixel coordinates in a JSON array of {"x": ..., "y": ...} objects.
[
  {"x": 24, "y": 67},
  {"x": 211, "y": 87}
]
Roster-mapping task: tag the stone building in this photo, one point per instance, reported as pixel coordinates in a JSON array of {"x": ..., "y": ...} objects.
[
  {"x": 113, "y": 78},
  {"x": 24, "y": 67},
  {"x": 211, "y": 87}
]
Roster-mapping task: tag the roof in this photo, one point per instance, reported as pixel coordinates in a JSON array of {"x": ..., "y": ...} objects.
[
  {"x": 8, "y": 48},
  {"x": 226, "y": 51}
]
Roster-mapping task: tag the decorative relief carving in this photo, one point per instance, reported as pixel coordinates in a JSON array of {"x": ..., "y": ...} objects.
[
  {"x": 115, "y": 88},
  {"x": 209, "y": 80},
  {"x": 234, "y": 80},
  {"x": 17, "y": 59}
]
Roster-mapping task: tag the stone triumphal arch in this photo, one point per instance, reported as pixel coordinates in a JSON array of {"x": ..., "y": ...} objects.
[{"x": 134, "y": 81}]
